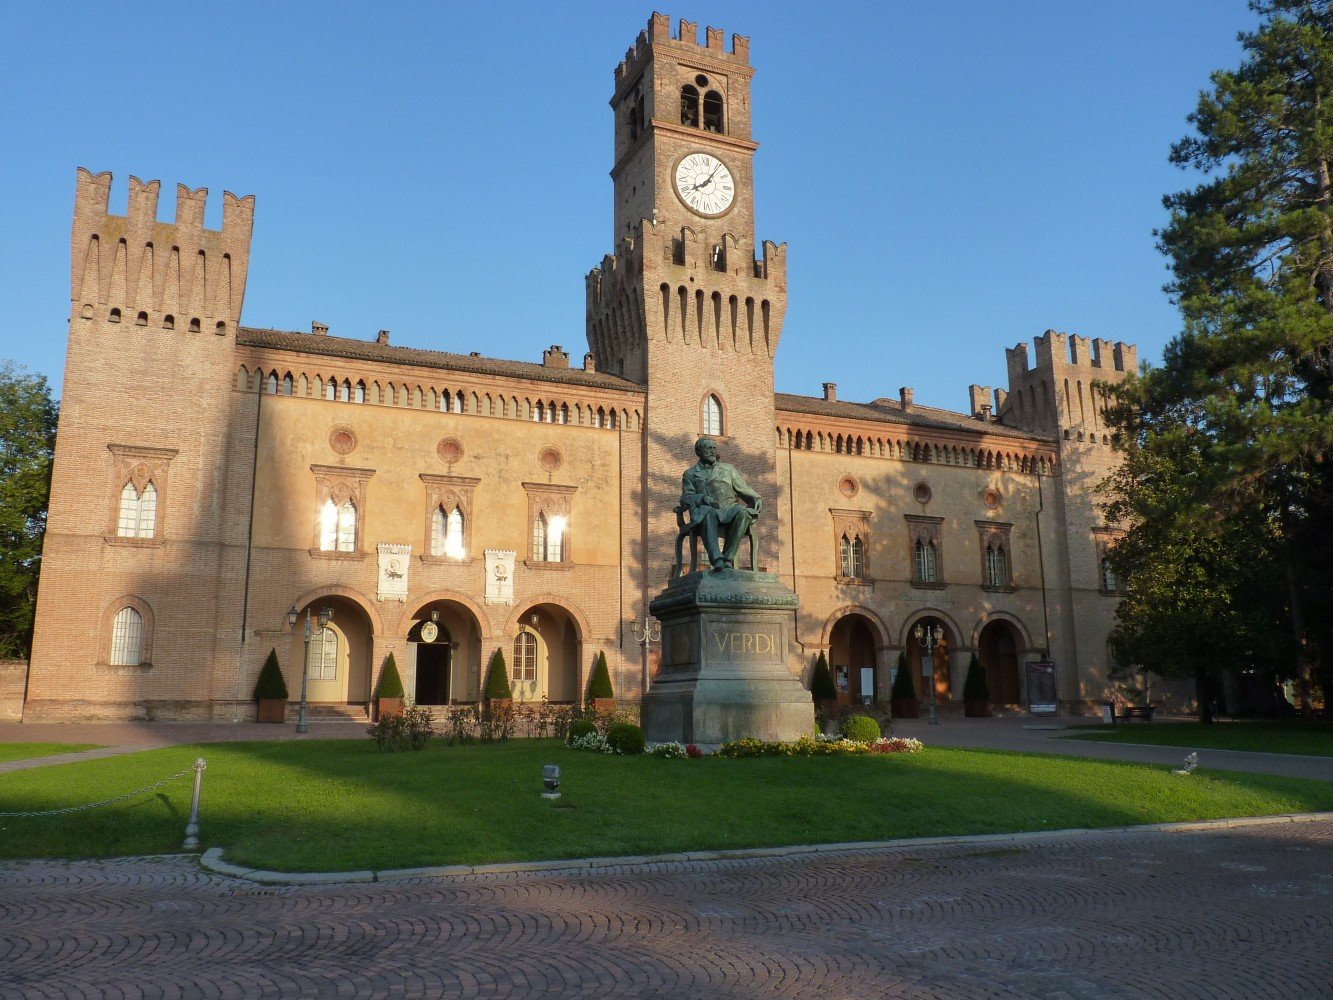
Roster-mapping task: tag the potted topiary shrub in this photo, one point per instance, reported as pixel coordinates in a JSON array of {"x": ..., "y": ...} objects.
[
  {"x": 902, "y": 699},
  {"x": 271, "y": 691},
  {"x": 498, "y": 688},
  {"x": 389, "y": 691},
  {"x": 600, "y": 696},
  {"x": 976, "y": 692},
  {"x": 822, "y": 688}
]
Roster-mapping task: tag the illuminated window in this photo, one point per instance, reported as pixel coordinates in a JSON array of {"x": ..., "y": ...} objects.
[
  {"x": 127, "y": 638},
  {"x": 446, "y": 537},
  {"x": 713, "y": 416},
  {"x": 337, "y": 526}
]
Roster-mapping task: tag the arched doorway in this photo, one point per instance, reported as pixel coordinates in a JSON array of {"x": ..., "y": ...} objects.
[
  {"x": 998, "y": 652},
  {"x": 338, "y": 665},
  {"x": 544, "y": 655},
  {"x": 852, "y": 659},
  {"x": 916, "y": 658},
  {"x": 444, "y": 654}
]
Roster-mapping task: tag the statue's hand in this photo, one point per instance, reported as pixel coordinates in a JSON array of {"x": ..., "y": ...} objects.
[{"x": 758, "y": 506}]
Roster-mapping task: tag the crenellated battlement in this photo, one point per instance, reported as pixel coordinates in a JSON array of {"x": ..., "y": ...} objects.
[
  {"x": 1059, "y": 388},
  {"x": 685, "y": 38},
  {"x": 135, "y": 269}
]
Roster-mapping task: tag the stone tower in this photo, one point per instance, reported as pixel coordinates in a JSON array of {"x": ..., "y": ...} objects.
[
  {"x": 148, "y": 407},
  {"x": 688, "y": 304},
  {"x": 1062, "y": 395}
]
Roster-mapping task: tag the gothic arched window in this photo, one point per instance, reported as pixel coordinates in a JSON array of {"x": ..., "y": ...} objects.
[
  {"x": 713, "y": 416},
  {"x": 997, "y": 566},
  {"x": 926, "y": 567},
  {"x": 138, "y": 512},
  {"x": 127, "y": 638},
  {"x": 689, "y": 105},
  {"x": 713, "y": 112}
]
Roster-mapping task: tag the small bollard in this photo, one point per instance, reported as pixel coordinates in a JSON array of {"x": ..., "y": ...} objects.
[
  {"x": 192, "y": 824},
  {"x": 550, "y": 781}
]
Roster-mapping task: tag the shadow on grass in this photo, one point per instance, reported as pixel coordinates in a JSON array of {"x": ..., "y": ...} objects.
[{"x": 340, "y": 805}]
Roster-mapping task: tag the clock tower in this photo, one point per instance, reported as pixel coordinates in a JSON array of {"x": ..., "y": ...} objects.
[{"x": 687, "y": 304}]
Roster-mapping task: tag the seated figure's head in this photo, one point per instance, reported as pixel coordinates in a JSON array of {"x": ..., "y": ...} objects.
[{"x": 706, "y": 449}]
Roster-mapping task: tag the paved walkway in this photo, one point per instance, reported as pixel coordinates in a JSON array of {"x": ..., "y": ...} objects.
[{"x": 1102, "y": 915}]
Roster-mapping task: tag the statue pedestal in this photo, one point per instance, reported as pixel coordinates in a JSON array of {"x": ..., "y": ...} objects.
[{"x": 724, "y": 673}]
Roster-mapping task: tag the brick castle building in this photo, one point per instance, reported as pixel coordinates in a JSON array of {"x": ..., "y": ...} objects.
[{"x": 445, "y": 505}]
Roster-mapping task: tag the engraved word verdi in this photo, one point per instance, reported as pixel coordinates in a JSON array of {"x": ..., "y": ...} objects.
[{"x": 734, "y": 642}]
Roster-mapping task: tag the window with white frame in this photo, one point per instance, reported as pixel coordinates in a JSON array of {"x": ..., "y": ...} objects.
[
  {"x": 1109, "y": 582},
  {"x": 549, "y": 509},
  {"x": 548, "y": 538},
  {"x": 446, "y": 537},
  {"x": 997, "y": 566},
  {"x": 138, "y": 512},
  {"x": 997, "y": 571},
  {"x": 127, "y": 638},
  {"x": 322, "y": 660},
  {"x": 851, "y": 553},
  {"x": 525, "y": 657},
  {"x": 712, "y": 416},
  {"x": 337, "y": 526},
  {"x": 927, "y": 562}
]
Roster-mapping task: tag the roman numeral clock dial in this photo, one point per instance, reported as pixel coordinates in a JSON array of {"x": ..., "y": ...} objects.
[{"x": 704, "y": 184}]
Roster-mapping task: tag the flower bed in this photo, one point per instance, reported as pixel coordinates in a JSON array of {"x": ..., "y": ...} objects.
[{"x": 818, "y": 747}]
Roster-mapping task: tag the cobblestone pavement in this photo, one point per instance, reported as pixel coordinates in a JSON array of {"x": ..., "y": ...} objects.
[{"x": 1245, "y": 912}]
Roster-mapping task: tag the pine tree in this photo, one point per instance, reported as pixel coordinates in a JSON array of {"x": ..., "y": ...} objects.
[
  {"x": 391, "y": 682},
  {"x": 497, "y": 678},
  {"x": 599, "y": 684},
  {"x": 903, "y": 687},
  {"x": 822, "y": 687},
  {"x": 1250, "y": 375}
]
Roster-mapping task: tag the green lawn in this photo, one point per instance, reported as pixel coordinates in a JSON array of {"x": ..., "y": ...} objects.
[
  {"x": 339, "y": 805},
  {"x": 1309, "y": 738},
  {"x": 22, "y": 751}
]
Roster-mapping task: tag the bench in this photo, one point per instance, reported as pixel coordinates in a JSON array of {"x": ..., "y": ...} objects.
[
  {"x": 689, "y": 530},
  {"x": 1130, "y": 712}
]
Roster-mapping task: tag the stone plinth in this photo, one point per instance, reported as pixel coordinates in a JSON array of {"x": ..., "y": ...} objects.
[{"x": 724, "y": 672}]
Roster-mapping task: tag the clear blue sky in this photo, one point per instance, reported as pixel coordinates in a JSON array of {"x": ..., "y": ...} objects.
[{"x": 950, "y": 178}]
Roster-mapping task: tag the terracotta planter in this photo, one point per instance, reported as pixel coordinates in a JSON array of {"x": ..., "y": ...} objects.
[
  {"x": 904, "y": 708},
  {"x": 976, "y": 708},
  {"x": 387, "y": 708},
  {"x": 603, "y": 705},
  {"x": 272, "y": 710}
]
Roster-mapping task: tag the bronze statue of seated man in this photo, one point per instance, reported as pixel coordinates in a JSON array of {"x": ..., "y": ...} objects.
[{"x": 718, "y": 498}]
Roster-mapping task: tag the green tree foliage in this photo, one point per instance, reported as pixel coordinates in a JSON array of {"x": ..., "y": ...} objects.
[
  {"x": 391, "y": 682},
  {"x": 599, "y": 684},
  {"x": 903, "y": 688},
  {"x": 822, "y": 687},
  {"x": 27, "y": 441},
  {"x": 270, "y": 683},
  {"x": 1228, "y": 436},
  {"x": 497, "y": 677}
]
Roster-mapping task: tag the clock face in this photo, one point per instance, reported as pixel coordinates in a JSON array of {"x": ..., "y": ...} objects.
[{"x": 705, "y": 184}]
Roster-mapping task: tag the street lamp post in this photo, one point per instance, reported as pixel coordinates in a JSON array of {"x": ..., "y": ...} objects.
[
  {"x": 325, "y": 613},
  {"x": 930, "y": 638},
  {"x": 645, "y": 634}
]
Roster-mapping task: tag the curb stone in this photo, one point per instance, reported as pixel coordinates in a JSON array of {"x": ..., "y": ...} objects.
[{"x": 211, "y": 860}]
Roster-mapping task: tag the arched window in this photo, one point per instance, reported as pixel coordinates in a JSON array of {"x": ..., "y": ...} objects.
[
  {"x": 322, "y": 662},
  {"x": 1109, "y": 582},
  {"x": 331, "y": 389},
  {"x": 127, "y": 638},
  {"x": 713, "y": 416},
  {"x": 446, "y": 535},
  {"x": 926, "y": 567},
  {"x": 271, "y": 384},
  {"x": 346, "y": 395},
  {"x": 287, "y": 384},
  {"x": 852, "y": 553},
  {"x": 713, "y": 112},
  {"x": 337, "y": 526},
  {"x": 689, "y": 105},
  {"x": 997, "y": 566},
  {"x": 360, "y": 395},
  {"x": 138, "y": 512},
  {"x": 525, "y": 657},
  {"x": 548, "y": 543}
]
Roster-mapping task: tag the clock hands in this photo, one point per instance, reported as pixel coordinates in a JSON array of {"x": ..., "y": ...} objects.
[{"x": 709, "y": 179}]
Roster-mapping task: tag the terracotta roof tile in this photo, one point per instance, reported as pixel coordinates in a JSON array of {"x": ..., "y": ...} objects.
[
  {"x": 890, "y": 411},
  {"x": 360, "y": 350}
]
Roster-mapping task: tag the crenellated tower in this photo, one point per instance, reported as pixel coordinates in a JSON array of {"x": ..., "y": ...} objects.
[
  {"x": 688, "y": 303},
  {"x": 153, "y": 457},
  {"x": 1062, "y": 394}
]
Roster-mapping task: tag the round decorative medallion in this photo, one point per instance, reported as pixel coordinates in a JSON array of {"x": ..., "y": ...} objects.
[
  {"x": 550, "y": 459},
  {"x": 848, "y": 486},
  {"x": 921, "y": 493},
  {"x": 450, "y": 450},
  {"x": 429, "y": 631},
  {"x": 342, "y": 440},
  {"x": 991, "y": 498}
]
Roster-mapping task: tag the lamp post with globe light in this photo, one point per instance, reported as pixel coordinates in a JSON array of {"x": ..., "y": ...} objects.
[
  {"x": 929, "y": 638},
  {"x": 325, "y": 614}
]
